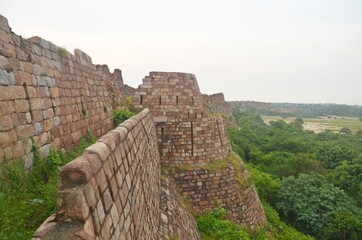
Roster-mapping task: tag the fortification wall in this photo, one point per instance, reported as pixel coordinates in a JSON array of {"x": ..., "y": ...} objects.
[
  {"x": 192, "y": 139},
  {"x": 169, "y": 94},
  {"x": 114, "y": 187},
  {"x": 216, "y": 104},
  {"x": 50, "y": 96},
  {"x": 186, "y": 135},
  {"x": 229, "y": 187},
  {"x": 176, "y": 221}
]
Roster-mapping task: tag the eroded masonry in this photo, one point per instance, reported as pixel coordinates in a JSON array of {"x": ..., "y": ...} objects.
[{"x": 116, "y": 190}]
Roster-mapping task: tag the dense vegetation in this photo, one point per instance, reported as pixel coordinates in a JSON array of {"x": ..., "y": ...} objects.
[
  {"x": 314, "y": 181},
  {"x": 27, "y": 198},
  {"x": 212, "y": 226}
]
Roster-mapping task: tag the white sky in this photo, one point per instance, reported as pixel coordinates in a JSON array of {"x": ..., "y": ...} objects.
[{"x": 271, "y": 50}]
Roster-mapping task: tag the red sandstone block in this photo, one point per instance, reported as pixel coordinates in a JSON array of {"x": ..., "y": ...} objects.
[
  {"x": 111, "y": 139},
  {"x": 23, "y": 78},
  {"x": 17, "y": 149},
  {"x": 101, "y": 180},
  {"x": 94, "y": 161},
  {"x": 6, "y": 122},
  {"x": 20, "y": 118},
  {"x": 90, "y": 196},
  {"x": 99, "y": 148},
  {"x": 107, "y": 199},
  {"x": 6, "y": 139},
  {"x": 25, "y": 131},
  {"x": 7, "y": 107}
]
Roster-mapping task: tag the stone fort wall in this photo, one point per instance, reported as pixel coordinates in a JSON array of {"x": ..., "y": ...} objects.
[
  {"x": 186, "y": 135},
  {"x": 50, "y": 96}
]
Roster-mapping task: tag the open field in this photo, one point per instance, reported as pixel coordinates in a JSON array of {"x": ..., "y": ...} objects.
[{"x": 334, "y": 123}]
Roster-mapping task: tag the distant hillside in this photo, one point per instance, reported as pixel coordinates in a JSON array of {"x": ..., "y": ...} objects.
[{"x": 299, "y": 109}]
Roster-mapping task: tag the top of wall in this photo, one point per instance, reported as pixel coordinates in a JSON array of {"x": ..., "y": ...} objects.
[{"x": 169, "y": 93}]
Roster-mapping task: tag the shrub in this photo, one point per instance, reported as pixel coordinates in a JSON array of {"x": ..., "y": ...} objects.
[
  {"x": 120, "y": 115},
  {"x": 28, "y": 198}
]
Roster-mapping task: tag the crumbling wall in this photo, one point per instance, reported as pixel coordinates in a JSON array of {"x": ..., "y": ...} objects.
[
  {"x": 50, "y": 96},
  {"x": 216, "y": 103}
]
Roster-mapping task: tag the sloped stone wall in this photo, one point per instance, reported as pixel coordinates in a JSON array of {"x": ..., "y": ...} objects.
[
  {"x": 50, "y": 96},
  {"x": 176, "y": 222},
  {"x": 229, "y": 186}
]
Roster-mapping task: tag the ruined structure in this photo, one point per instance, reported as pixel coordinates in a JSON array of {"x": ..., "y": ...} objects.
[
  {"x": 115, "y": 190},
  {"x": 190, "y": 138}
]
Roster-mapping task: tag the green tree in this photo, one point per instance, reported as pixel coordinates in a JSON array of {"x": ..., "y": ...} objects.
[
  {"x": 344, "y": 225},
  {"x": 308, "y": 201},
  {"x": 298, "y": 123},
  {"x": 345, "y": 130}
]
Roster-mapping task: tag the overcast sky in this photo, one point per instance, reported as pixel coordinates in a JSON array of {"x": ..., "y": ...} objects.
[{"x": 272, "y": 50}]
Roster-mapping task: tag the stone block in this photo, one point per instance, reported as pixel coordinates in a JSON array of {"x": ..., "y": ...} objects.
[
  {"x": 27, "y": 67},
  {"x": 37, "y": 104},
  {"x": 54, "y": 92},
  {"x": 56, "y": 121},
  {"x": 8, "y": 50},
  {"x": 42, "y": 139},
  {"x": 43, "y": 92},
  {"x": 23, "y": 78},
  {"x": 90, "y": 195},
  {"x": 111, "y": 139},
  {"x": 22, "y": 105},
  {"x": 48, "y": 113},
  {"x": 99, "y": 148},
  {"x": 4, "y": 25},
  {"x": 48, "y": 124},
  {"x": 6, "y": 122},
  {"x": 25, "y": 131},
  {"x": 12, "y": 92},
  {"x": 6, "y": 78},
  {"x": 32, "y": 92},
  {"x": 38, "y": 129},
  {"x": 28, "y": 160},
  {"x": 6, "y": 107},
  {"x": 37, "y": 115},
  {"x": 17, "y": 149},
  {"x": 6, "y": 139},
  {"x": 44, "y": 151}
]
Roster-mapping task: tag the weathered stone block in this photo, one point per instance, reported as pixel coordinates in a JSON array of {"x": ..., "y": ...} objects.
[
  {"x": 25, "y": 131},
  {"x": 6, "y": 107},
  {"x": 6, "y": 122},
  {"x": 6, "y": 139},
  {"x": 99, "y": 148},
  {"x": 17, "y": 149},
  {"x": 21, "y": 105},
  {"x": 6, "y": 78}
]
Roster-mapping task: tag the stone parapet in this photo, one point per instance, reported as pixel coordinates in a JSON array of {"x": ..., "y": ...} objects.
[{"x": 113, "y": 189}]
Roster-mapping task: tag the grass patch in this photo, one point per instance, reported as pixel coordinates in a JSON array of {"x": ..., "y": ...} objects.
[{"x": 28, "y": 198}]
